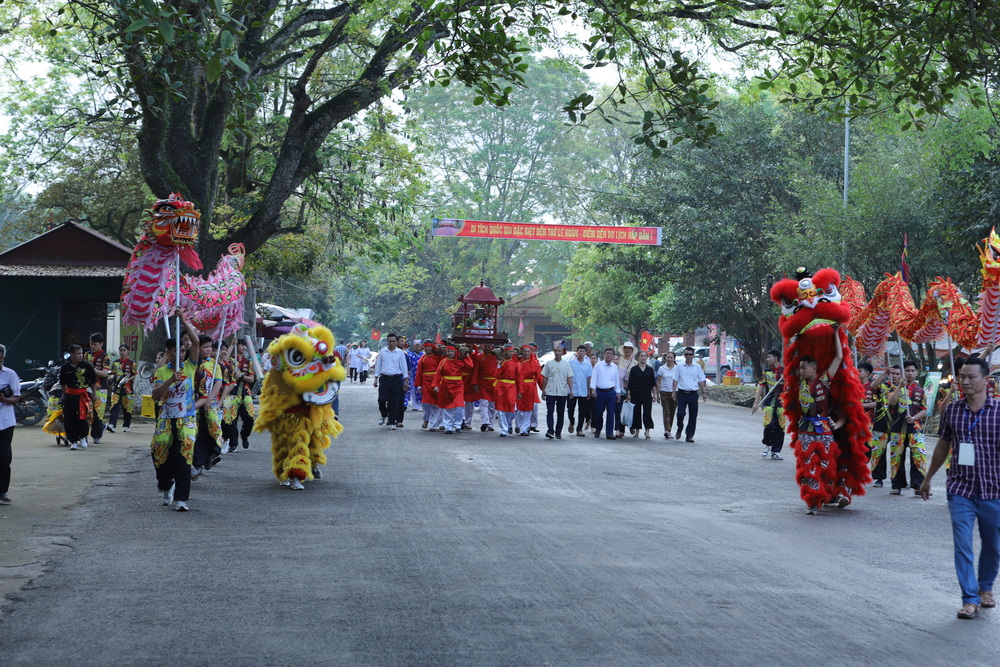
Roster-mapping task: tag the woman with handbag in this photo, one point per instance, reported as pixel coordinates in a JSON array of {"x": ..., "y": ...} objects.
[{"x": 641, "y": 381}]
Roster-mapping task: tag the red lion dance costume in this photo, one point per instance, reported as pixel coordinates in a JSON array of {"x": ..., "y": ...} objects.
[{"x": 810, "y": 306}]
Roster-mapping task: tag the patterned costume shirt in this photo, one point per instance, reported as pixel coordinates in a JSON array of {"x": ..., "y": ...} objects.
[
  {"x": 911, "y": 402},
  {"x": 962, "y": 427},
  {"x": 814, "y": 401},
  {"x": 119, "y": 369},
  {"x": 883, "y": 416},
  {"x": 869, "y": 398},
  {"x": 81, "y": 377},
  {"x": 771, "y": 402},
  {"x": 179, "y": 401},
  {"x": 101, "y": 362}
]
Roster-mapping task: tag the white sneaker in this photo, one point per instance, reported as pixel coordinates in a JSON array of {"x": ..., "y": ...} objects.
[
  {"x": 97, "y": 441},
  {"x": 109, "y": 429},
  {"x": 296, "y": 484},
  {"x": 83, "y": 443},
  {"x": 766, "y": 452},
  {"x": 168, "y": 495},
  {"x": 775, "y": 456},
  {"x": 125, "y": 429},
  {"x": 392, "y": 427},
  {"x": 287, "y": 482},
  {"x": 75, "y": 446},
  {"x": 181, "y": 506}
]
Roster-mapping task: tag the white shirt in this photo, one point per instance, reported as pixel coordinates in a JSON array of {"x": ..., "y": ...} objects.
[
  {"x": 606, "y": 376},
  {"x": 689, "y": 377},
  {"x": 391, "y": 362},
  {"x": 667, "y": 377},
  {"x": 557, "y": 375},
  {"x": 8, "y": 378},
  {"x": 361, "y": 358}
]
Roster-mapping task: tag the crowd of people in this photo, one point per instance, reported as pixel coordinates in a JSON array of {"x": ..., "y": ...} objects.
[{"x": 585, "y": 393}]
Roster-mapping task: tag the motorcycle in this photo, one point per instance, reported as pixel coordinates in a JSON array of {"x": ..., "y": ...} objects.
[{"x": 32, "y": 407}]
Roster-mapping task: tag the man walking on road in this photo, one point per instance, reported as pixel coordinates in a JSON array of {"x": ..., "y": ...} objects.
[
  {"x": 558, "y": 385},
  {"x": 392, "y": 372},
  {"x": 10, "y": 394},
  {"x": 970, "y": 432},
  {"x": 605, "y": 390},
  {"x": 769, "y": 390},
  {"x": 690, "y": 380},
  {"x": 579, "y": 400}
]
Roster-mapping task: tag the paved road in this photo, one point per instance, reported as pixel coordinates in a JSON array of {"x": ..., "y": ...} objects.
[{"x": 426, "y": 549}]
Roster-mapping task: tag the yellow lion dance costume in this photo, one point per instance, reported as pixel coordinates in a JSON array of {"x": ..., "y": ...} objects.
[{"x": 296, "y": 402}]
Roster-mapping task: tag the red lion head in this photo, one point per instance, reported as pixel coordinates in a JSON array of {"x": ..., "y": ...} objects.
[{"x": 809, "y": 301}]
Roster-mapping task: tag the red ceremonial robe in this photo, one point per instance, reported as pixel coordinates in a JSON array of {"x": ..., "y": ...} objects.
[
  {"x": 507, "y": 386},
  {"x": 530, "y": 374},
  {"x": 426, "y": 370},
  {"x": 486, "y": 376},
  {"x": 469, "y": 378},
  {"x": 448, "y": 380}
]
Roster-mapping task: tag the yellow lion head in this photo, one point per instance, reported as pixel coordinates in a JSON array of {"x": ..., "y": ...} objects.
[
  {"x": 989, "y": 255},
  {"x": 304, "y": 358}
]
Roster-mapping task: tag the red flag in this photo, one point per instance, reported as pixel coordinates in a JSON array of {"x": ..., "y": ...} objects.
[
  {"x": 646, "y": 341},
  {"x": 437, "y": 341},
  {"x": 376, "y": 335}
]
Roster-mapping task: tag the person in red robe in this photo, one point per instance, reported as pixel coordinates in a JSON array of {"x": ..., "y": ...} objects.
[
  {"x": 426, "y": 370},
  {"x": 485, "y": 381},
  {"x": 451, "y": 390},
  {"x": 468, "y": 384},
  {"x": 506, "y": 389},
  {"x": 529, "y": 375}
]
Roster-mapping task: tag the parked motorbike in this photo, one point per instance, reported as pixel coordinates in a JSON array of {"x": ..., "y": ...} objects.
[{"x": 31, "y": 409}]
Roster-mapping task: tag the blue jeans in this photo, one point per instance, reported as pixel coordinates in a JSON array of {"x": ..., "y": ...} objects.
[
  {"x": 964, "y": 513},
  {"x": 606, "y": 401}
]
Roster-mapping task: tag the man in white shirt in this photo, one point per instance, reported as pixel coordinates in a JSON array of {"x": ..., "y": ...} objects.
[
  {"x": 558, "y": 376},
  {"x": 392, "y": 371},
  {"x": 605, "y": 389},
  {"x": 582, "y": 370},
  {"x": 690, "y": 381},
  {"x": 10, "y": 394}
]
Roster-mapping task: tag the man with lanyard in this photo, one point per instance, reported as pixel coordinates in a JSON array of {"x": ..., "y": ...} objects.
[
  {"x": 606, "y": 391},
  {"x": 243, "y": 370},
  {"x": 485, "y": 385},
  {"x": 172, "y": 447},
  {"x": 426, "y": 370},
  {"x": 690, "y": 381},
  {"x": 970, "y": 433},
  {"x": 907, "y": 404},
  {"x": 99, "y": 359},
  {"x": 506, "y": 391},
  {"x": 451, "y": 390},
  {"x": 769, "y": 390},
  {"x": 579, "y": 401},
  {"x": 10, "y": 394},
  {"x": 393, "y": 374},
  {"x": 122, "y": 374},
  {"x": 79, "y": 382}
]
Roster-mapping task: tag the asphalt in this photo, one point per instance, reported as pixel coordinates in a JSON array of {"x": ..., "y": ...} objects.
[{"x": 421, "y": 548}]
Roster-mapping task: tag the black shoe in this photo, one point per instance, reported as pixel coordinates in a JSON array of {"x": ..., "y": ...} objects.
[
  {"x": 549, "y": 435},
  {"x": 534, "y": 430},
  {"x": 246, "y": 444},
  {"x": 689, "y": 440},
  {"x": 597, "y": 435},
  {"x": 381, "y": 422},
  {"x": 877, "y": 484},
  {"x": 216, "y": 459},
  {"x": 483, "y": 428},
  {"x": 558, "y": 436},
  {"x": 231, "y": 450},
  {"x": 678, "y": 436},
  {"x": 399, "y": 424}
]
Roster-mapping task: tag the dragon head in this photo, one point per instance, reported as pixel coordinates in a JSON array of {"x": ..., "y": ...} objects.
[
  {"x": 809, "y": 300},
  {"x": 989, "y": 256},
  {"x": 174, "y": 221},
  {"x": 305, "y": 359}
]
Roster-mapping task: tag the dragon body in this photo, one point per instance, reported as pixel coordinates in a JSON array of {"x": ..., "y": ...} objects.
[
  {"x": 810, "y": 307},
  {"x": 149, "y": 291},
  {"x": 944, "y": 310}
]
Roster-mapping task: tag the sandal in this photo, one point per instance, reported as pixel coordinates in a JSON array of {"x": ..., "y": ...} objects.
[
  {"x": 969, "y": 612},
  {"x": 986, "y": 600}
]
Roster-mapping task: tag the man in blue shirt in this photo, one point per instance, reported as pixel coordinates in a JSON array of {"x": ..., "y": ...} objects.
[{"x": 582, "y": 370}]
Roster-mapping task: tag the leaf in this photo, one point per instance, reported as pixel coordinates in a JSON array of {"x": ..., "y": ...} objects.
[
  {"x": 213, "y": 68},
  {"x": 137, "y": 25},
  {"x": 226, "y": 40},
  {"x": 167, "y": 31}
]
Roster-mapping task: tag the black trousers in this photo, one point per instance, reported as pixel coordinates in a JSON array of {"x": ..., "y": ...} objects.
[
  {"x": 687, "y": 401},
  {"x": 774, "y": 435},
  {"x": 642, "y": 413},
  {"x": 205, "y": 446},
  {"x": 585, "y": 410},
  {"x": 175, "y": 471},
  {"x": 390, "y": 398},
  {"x": 555, "y": 409},
  {"x": 244, "y": 431},
  {"x": 6, "y": 456},
  {"x": 76, "y": 428}
]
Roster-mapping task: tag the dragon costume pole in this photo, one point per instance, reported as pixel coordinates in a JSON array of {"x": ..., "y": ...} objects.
[
  {"x": 177, "y": 287},
  {"x": 221, "y": 329}
]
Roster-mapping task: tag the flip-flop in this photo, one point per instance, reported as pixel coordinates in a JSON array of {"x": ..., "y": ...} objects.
[
  {"x": 967, "y": 615},
  {"x": 987, "y": 602}
]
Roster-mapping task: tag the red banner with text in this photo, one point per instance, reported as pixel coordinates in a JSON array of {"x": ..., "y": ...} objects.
[{"x": 481, "y": 229}]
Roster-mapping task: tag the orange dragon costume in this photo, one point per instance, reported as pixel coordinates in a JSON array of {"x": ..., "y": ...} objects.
[
  {"x": 296, "y": 404},
  {"x": 810, "y": 306}
]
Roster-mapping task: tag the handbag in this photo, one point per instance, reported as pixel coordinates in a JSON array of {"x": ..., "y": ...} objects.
[{"x": 627, "y": 407}]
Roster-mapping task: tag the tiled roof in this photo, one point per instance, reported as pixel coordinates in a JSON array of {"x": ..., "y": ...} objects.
[{"x": 43, "y": 270}]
